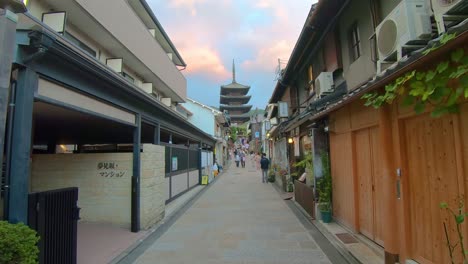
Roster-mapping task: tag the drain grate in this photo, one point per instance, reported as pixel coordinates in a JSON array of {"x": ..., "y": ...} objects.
[{"x": 347, "y": 238}]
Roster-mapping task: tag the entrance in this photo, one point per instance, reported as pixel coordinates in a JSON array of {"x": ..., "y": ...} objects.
[{"x": 367, "y": 164}]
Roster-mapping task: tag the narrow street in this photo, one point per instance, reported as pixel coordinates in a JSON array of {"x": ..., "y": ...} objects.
[{"x": 238, "y": 219}]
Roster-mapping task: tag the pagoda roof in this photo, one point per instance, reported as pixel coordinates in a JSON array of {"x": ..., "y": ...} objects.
[
  {"x": 225, "y": 99},
  {"x": 234, "y": 86},
  {"x": 239, "y": 119},
  {"x": 245, "y": 108}
]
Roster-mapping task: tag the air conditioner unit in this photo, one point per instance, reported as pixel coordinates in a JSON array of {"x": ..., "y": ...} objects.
[
  {"x": 409, "y": 21},
  {"x": 147, "y": 87},
  {"x": 440, "y": 8},
  {"x": 166, "y": 101},
  {"x": 324, "y": 84}
]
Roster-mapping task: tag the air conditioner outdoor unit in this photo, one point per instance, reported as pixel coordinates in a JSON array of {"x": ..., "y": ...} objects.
[
  {"x": 409, "y": 21},
  {"x": 166, "y": 101},
  {"x": 440, "y": 8},
  {"x": 324, "y": 84}
]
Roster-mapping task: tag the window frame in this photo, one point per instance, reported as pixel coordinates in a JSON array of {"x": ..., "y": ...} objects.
[{"x": 354, "y": 42}]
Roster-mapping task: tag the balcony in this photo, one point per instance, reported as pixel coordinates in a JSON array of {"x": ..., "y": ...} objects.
[{"x": 115, "y": 26}]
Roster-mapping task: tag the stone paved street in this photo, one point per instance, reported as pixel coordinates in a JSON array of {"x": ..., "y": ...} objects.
[{"x": 238, "y": 219}]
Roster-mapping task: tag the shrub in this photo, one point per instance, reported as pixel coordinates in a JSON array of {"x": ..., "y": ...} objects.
[{"x": 18, "y": 244}]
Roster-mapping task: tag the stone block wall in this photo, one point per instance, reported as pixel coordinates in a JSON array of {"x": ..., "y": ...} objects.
[
  {"x": 103, "y": 179},
  {"x": 104, "y": 182},
  {"x": 153, "y": 186}
]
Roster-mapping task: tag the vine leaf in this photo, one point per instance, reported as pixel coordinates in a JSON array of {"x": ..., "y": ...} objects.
[
  {"x": 461, "y": 70},
  {"x": 460, "y": 218},
  {"x": 409, "y": 100},
  {"x": 442, "y": 66},
  {"x": 419, "y": 107},
  {"x": 430, "y": 75},
  {"x": 457, "y": 55},
  {"x": 439, "y": 111}
]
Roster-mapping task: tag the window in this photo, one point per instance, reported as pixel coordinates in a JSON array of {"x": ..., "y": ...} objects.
[
  {"x": 354, "y": 42},
  {"x": 80, "y": 44}
]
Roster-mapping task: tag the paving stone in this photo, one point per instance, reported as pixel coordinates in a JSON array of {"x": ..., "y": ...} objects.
[{"x": 236, "y": 220}]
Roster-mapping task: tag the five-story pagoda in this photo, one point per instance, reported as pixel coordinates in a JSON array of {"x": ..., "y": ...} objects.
[{"x": 234, "y": 99}]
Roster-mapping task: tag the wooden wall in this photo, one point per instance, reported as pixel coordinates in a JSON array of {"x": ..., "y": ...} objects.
[
  {"x": 342, "y": 179},
  {"x": 433, "y": 156}
]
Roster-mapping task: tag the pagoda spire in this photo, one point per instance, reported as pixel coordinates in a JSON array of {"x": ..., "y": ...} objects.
[{"x": 233, "y": 71}]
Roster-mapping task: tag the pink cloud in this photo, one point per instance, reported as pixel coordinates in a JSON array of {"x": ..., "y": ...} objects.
[
  {"x": 205, "y": 61},
  {"x": 267, "y": 57},
  {"x": 188, "y": 4}
]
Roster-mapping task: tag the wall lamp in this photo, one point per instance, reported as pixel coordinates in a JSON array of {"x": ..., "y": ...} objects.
[
  {"x": 14, "y": 6},
  {"x": 290, "y": 140}
]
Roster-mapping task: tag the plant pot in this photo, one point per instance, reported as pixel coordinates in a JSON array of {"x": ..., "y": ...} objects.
[{"x": 326, "y": 216}]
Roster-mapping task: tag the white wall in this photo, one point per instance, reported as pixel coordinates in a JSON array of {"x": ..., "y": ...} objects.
[{"x": 202, "y": 117}]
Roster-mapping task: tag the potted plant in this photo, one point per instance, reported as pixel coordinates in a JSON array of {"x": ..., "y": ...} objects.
[
  {"x": 283, "y": 174},
  {"x": 324, "y": 188},
  {"x": 271, "y": 175},
  {"x": 290, "y": 186}
]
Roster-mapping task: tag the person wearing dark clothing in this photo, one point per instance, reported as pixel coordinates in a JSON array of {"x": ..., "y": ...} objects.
[{"x": 264, "y": 164}]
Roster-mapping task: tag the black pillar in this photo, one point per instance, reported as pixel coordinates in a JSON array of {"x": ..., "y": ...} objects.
[
  {"x": 199, "y": 163},
  {"x": 136, "y": 176},
  {"x": 157, "y": 135},
  {"x": 8, "y": 22},
  {"x": 21, "y": 147}
]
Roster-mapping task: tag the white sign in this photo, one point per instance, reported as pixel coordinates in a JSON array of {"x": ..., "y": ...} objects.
[
  {"x": 267, "y": 125},
  {"x": 283, "y": 109},
  {"x": 174, "y": 164}
]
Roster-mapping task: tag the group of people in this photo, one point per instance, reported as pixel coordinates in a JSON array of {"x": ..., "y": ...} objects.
[
  {"x": 240, "y": 156},
  {"x": 261, "y": 162}
]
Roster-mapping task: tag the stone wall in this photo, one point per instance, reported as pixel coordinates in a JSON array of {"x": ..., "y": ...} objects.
[
  {"x": 104, "y": 193},
  {"x": 153, "y": 188},
  {"x": 104, "y": 182}
]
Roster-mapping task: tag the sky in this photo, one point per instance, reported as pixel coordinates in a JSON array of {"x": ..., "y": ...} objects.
[{"x": 209, "y": 34}]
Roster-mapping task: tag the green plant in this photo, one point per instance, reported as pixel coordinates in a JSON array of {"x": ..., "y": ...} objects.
[
  {"x": 459, "y": 217},
  {"x": 18, "y": 244},
  {"x": 324, "y": 185},
  {"x": 290, "y": 186},
  {"x": 271, "y": 175},
  {"x": 305, "y": 165},
  {"x": 440, "y": 87}
]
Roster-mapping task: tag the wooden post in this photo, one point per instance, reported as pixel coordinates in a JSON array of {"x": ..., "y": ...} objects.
[{"x": 390, "y": 235}]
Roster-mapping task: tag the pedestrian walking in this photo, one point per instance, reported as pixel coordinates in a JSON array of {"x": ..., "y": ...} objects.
[
  {"x": 237, "y": 160},
  {"x": 242, "y": 156},
  {"x": 264, "y": 164}
]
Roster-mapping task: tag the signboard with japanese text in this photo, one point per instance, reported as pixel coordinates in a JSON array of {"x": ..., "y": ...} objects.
[{"x": 110, "y": 170}]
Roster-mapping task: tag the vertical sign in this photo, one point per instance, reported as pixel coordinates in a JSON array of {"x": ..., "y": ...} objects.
[{"x": 283, "y": 109}]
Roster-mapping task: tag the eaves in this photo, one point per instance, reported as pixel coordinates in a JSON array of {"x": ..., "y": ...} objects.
[{"x": 67, "y": 51}]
